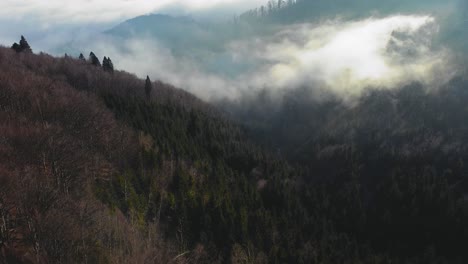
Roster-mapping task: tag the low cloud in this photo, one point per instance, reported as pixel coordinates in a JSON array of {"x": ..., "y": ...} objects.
[
  {"x": 347, "y": 58},
  {"x": 148, "y": 57},
  {"x": 342, "y": 58}
]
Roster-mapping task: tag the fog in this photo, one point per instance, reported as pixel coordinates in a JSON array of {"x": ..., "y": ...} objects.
[
  {"x": 341, "y": 57},
  {"x": 348, "y": 57}
]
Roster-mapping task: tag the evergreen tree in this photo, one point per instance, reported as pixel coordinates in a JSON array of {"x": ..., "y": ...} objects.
[
  {"x": 94, "y": 60},
  {"x": 24, "y": 45},
  {"x": 148, "y": 87},
  {"x": 16, "y": 47},
  {"x": 110, "y": 65},
  {"x": 104, "y": 62},
  {"x": 81, "y": 57},
  {"x": 107, "y": 64}
]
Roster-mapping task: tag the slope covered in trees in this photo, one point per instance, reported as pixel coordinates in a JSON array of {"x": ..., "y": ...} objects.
[
  {"x": 287, "y": 11},
  {"x": 397, "y": 155},
  {"x": 95, "y": 169}
]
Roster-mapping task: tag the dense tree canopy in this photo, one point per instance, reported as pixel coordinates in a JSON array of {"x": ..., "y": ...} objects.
[{"x": 92, "y": 169}]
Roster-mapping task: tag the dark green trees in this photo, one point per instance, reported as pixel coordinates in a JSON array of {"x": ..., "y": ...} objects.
[
  {"x": 81, "y": 57},
  {"x": 16, "y": 47},
  {"x": 23, "y": 46},
  {"x": 94, "y": 60},
  {"x": 148, "y": 87},
  {"x": 107, "y": 65}
]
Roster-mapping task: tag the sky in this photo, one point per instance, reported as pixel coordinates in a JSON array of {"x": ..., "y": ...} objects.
[
  {"x": 66, "y": 18},
  {"x": 84, "y": 11}
]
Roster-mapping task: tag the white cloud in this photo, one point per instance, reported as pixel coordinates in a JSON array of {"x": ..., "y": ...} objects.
[
  {"x": 344, "y": 58},
  {"x": 349, "y": 57}
]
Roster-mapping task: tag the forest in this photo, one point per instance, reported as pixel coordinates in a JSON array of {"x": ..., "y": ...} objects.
[{"x": 98, "y": 166}]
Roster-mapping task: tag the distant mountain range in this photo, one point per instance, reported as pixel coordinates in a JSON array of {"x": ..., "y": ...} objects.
[{"x": 175, "y": 32}]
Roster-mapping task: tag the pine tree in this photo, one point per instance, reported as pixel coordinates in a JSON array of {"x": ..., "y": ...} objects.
[
  {"x": 107, "y": 64},
  {"x": 16, "y": 47},
  {"x": 104, "y": 62},
  {"x": 24, "y": 45},
  {"x": 94, "y": 60},
  {"x": 110, "y": 65},
  {"x": 81, "y": 57},
  {"x": 148, "y": 87}
]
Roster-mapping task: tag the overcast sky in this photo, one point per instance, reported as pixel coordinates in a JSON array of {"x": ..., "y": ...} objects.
[
  {"x": 36, "y": 18},
  {"x": 85, "y": 11}
]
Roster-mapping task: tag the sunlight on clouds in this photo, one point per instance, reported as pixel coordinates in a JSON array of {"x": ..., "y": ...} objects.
[
  {"x": 348, "y": 57},
  {"x": 344, "y": 58}
]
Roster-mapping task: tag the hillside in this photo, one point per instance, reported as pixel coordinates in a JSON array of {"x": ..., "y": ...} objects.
[
  {"x": 95, "y": 171},
  {"x": 178, "y": 33},
  {"x": 183, "y": 36}
]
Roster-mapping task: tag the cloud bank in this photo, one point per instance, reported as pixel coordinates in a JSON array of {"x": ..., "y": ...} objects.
[
  {"x": 342, "y": 58},
  {"x": 349, "y": 57}
]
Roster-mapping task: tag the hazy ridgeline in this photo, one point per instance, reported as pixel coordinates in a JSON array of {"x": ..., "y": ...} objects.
[{"x": 301, "y": 44}]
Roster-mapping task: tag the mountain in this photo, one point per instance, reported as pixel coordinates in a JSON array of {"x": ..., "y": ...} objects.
[
  {"x": 179, "y": 33},
  {"x": 313, "y": 10},
  {"x": 96, "y": 169},
  {"x": 205, "y": 45},
  {"x": 184, "y": 36},
  {"x": 100, "y": 166},
  {"x": 423, "y": 119}
]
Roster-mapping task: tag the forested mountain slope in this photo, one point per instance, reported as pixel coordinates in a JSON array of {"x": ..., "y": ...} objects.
[{"x": 94, "y": 169}]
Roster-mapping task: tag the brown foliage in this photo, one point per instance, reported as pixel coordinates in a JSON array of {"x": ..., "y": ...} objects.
[{"x": 55, "y": 143}]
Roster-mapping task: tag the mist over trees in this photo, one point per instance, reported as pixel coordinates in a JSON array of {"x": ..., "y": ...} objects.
[
  {"x": 313, "y": 10},
  {"x": 242, "y": 54}
]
